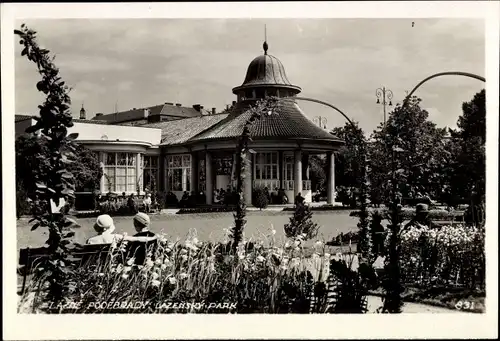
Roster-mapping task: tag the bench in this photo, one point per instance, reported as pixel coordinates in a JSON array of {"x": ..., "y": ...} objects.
[{"x": 81, "y": 255}]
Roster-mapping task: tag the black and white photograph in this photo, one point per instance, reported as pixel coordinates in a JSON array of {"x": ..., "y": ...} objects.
[{"x": 217, "y": 165}]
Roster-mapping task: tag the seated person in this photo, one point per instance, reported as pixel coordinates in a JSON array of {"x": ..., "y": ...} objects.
[
  {"x": 421, "y": 218},
  {"x": 140, "y": 248},
  {"x": 105, "y": 227},
  {"x": 299, "y": 199},
  {"x": 132, "y": 207},
  {"x": 216, "y": 196},
  {"x": 147, "y": 203}
]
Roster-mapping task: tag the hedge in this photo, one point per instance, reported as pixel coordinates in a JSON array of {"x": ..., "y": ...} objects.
[
  {"x": 408, "y": 214},
  {"x": 322, "y": 208},
  {"x": 207, "y": 209}
]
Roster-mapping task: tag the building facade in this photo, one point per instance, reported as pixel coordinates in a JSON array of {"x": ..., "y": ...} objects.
[{"x": 169, "y": 149}]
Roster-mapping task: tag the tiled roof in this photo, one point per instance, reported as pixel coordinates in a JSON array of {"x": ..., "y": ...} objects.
[
  {"x": 180, "y": 131},
  {"x": 289, "y": 122},
  {"x": 161, "y": 109},
  {"x": 25, "y": 117},
  {"x": 20, "y": 118}
]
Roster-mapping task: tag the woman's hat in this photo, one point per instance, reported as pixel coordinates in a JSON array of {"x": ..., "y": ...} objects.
[
  {"x": 422, "y": 208},
  {"x": 142, "y": 218},
  {"x": 104, "y": 223}
]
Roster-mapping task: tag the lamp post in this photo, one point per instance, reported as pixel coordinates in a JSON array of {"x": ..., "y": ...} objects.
[{"x": 386, "y": 95}]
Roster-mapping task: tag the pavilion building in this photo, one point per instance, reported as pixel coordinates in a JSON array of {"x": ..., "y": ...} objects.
[{"x": 193, "y": 150}]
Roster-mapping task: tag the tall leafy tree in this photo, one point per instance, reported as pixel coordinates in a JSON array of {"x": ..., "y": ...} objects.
[
  {"x": 468, "y": 154},
  {"x": 351, "y": 155},
  {"x": 422, "y": 146}
]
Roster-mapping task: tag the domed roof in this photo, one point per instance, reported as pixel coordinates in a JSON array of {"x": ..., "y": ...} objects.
[{"x": 266, "y": 70}]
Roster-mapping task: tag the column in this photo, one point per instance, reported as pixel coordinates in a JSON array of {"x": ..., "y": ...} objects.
[
  {"x": 165, "y": 173},
  {"x": 160, "y": 180},
  {"x": 209, "y": 193},
  {"x": 103, "y": 178},
  {"x": 280, "y": 169},
  {"x": 297, "y": 183},
  {"x": 247, "y": 181},
  {"x": 194, "y": 172},
  {"x": 330, "y": 189},
  {"x": 138, "y": 173}
]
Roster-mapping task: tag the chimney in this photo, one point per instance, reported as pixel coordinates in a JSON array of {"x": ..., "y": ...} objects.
[
  {"x": 146, "y": 113},
  {"x": 178, "y": 105},
  {"x": 234, "y": 102},
  {"x": 168, "y": 103},
  {"x": 201, "y": 107},
  {"x": 99, "y": 114},
  {"x": 197, "y": 107},
  {"x": 227, "y": 106},
  {"x": 213, "y": 111}
]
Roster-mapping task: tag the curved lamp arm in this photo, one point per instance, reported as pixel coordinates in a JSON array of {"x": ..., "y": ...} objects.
[
  {"x": 449, "y": 73},
  {"x": 320, "y": 102}
]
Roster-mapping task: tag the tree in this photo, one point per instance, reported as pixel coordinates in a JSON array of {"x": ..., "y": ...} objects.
[
  {"x": 467, "y": 149},
  {"x": 53, "y": 180},
  {"x": 86, "y": 169},
  {"x": 349, "y": 159},
  {"x": 317, "y": 171},
  {"x": 301, "y": 223},
  {"x": 423, "y": 148}
]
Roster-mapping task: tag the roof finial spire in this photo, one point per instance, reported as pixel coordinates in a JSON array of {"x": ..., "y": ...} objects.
[{"x": 265, "y": 40}]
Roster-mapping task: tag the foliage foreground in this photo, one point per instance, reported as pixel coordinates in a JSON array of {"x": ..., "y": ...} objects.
[{"x": 201, "y": 277}]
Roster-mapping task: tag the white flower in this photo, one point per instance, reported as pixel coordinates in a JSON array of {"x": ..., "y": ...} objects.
[
  {"x": 184, "y": 258},
  {"x": 319, "y": 243},
  {"x": 327, "y": 255},
  {"x": 172, "y": 280},
  {"x": 155, "y": 275},
  {"x": 158, "y": 261},
  {"x": 287, "y": 245},
  {"x": 183, "y": 275},
  {"x": 127, "y": 269},
  {"x": 149, "y": 262},
  {"x": 100, "y": 274},
  {"x": 155, "y": 283},
  {"x": 163, "y": 266},
  {"x": 273, "y": 231},
  {"x": 260, "y": 259},
  {"x": 125, "y": 276},
  {"x": 131, "y": 261}
]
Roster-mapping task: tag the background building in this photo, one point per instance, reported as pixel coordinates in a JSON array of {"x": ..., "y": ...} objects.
[{"x": 169, "y": 147}]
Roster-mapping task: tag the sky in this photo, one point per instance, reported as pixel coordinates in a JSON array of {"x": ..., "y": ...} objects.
[{"x": 135, "y": 63}]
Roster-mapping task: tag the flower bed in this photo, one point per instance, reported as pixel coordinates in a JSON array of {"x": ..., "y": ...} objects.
[
  {"x": 258, "y": 278},
  {"x": 409, "y": 213},
  {"x": 451, "y": 256}
]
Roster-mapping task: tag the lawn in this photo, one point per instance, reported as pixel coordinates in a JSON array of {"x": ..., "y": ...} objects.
[{"x": 208, "y": 226}]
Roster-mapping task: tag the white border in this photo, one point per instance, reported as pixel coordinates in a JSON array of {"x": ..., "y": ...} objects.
[{"x": 33, "y": 327}]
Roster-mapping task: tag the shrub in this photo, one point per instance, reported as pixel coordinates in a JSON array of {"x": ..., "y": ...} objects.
[
  {"x": 260, "y": 198},
  {"x": 301, "y": 223}
]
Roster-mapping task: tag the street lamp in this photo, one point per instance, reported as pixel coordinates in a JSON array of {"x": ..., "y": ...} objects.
[{"x": 386, "y": 95}]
